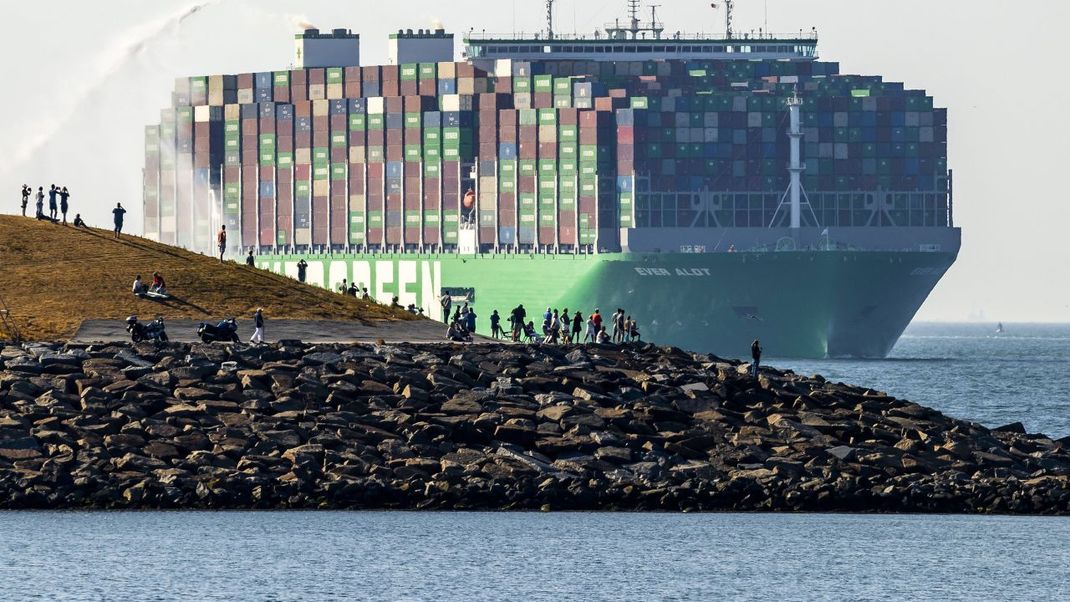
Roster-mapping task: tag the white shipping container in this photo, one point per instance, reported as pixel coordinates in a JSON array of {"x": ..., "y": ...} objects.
[
  {"x": 503, "y": 68},
  {"x": 201, "y": 114},
  {"x": 245, "y": 97},
  {"x": 376, "y": 105},
  {"x": 789, "y": 79}
]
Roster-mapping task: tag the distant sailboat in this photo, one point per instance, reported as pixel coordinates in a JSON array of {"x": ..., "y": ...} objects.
[{"x": 999, "y": 328}]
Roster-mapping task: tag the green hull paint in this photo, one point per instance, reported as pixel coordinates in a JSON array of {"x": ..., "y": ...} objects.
[{"x": 801, "y": 304}]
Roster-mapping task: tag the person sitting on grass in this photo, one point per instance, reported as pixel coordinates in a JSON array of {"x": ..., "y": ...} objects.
[
  {"x": 158, "y": 285},
  {"x": 79, "y": 222},
  {"x": 139, "y": 286}
]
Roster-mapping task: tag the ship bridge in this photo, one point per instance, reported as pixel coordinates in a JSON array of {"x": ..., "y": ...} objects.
[
  {"x": 636, "y": 40},
  {"x": 801, "y": 46}
]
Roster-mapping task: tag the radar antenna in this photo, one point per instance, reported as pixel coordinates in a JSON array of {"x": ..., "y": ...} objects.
[{"x": 728, "y": 6}]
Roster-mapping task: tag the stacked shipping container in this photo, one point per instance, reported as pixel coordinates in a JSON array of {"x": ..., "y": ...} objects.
[{"x": 556, "y": 155}]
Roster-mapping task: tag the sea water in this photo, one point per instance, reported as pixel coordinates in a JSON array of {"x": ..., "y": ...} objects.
[
  {"x": 466, "y": 557},
  {"x": 970, "y": 371}
]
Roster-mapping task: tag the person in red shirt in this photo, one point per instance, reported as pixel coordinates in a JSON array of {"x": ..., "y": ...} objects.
[{"x": 596, "y": 317}]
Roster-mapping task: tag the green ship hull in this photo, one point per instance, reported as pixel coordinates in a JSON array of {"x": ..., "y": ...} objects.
[{"x": 807, "y": 304}]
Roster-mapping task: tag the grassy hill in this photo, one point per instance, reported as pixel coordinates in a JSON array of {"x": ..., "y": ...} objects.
[{"x": 52, "y": 277}]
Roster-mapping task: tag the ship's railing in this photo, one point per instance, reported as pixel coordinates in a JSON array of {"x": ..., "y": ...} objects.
[{"x": 482, "y": 36}]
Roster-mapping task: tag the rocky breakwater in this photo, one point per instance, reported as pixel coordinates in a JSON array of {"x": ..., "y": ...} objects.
[{"x": 487, "y": 427}]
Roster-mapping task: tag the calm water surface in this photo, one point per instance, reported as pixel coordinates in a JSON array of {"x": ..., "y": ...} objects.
[
  {"x": 462, "y": 557},
  {"x": 968, "y": 371}
]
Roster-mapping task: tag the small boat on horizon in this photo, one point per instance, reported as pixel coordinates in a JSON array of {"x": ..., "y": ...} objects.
[{"x": 999, "y": 328}]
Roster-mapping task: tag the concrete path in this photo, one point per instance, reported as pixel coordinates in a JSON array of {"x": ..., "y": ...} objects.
[{"x": 308, "y": 331}]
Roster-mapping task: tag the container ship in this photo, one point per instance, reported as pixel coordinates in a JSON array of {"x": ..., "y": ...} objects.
[{"x": 719, "y": 188}]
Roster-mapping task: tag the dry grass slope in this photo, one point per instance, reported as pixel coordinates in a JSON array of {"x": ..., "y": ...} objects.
[{"x": 54, "y": 277}]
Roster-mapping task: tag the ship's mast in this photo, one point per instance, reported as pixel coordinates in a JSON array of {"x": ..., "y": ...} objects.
[
  {"x": 550, "y": 19},
  {"x": 728, "y": 6}
]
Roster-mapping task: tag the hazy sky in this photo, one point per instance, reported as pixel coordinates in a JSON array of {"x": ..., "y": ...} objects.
[{"x": 84, "y": 78}]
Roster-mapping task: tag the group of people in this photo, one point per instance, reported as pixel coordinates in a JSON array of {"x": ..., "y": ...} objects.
[
  {"x": 59, "y": 203},
  {"x": 560, "y": 328},
  {"x": 158, "y": 286},
  {"x": 346, "y": 288},
  {"x": 463, "y": 324}
]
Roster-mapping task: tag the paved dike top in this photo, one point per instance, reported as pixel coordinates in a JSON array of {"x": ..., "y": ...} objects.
[
  {"x": 496, "y": 426},
  {"x": 310, "y": 331}
]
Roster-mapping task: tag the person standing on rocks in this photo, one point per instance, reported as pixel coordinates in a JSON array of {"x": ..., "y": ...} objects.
[
  {"x": 592, "y": 330},
  {"x": 597, "y": 318},
  {"x": 756, "y": 355},
  {"x": 566, "y": 328},
  {"x": 577, "y": 328},
  {"x": 64, "y": 203},
  {"x": 496, "y": 325},
  {"x": 258, "y": 325},
  {"x": 119, "y": 213},
  {"x": 618, "y": 326},
  {"x": 26, "y": 191},
  {"x": 302, "y": 271}
]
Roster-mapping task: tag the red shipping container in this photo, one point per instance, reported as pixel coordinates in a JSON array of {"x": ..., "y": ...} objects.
[
  {"x": 543, "y": 100},
  {"x": 303, "y": 108},
  {"x": 431, "y": 194},
  {"x": 339, "y": 154},
  {"x": 320, "y": 223},
  {"x": 303, "y": 139},
  {"x": 250, "y": 127},
  {"x": 625, "y": 135},
  {"x": 317, "y": 76},
  {"x": 395, "y": 104},
  {"x": 428, "y": 87},
  {"x": 245, "y": 81},
  {"x": 568, "y": 117},
  {"x": 282, "y": 94},
  {"x": 303, "y": 172},
  {"x": 339, "y": 220},
  {"x": 390, "y": 73},
  {"x": 390, "y": 88},
  {"x": 409, "y": 88},
  {"x": 321, "y": 124}
]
